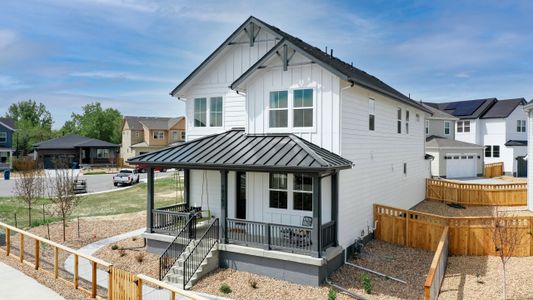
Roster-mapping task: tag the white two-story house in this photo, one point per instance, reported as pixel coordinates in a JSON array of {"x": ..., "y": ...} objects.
[
  {"x": 288, "y": 148},
  {"x": 498, "y": 125}
]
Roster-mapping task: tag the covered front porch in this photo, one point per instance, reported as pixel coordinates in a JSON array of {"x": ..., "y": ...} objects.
[{"x": 289, "y": 205}]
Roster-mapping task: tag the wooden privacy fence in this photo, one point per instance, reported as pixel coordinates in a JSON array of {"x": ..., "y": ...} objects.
[
  {"x": 493, "y": 170},
  {"x": 467, "y": 235},
  {"x": 438, "y": 268},
  {"x": 507, "y": 194},
  {"x": 43, "y": 255}
]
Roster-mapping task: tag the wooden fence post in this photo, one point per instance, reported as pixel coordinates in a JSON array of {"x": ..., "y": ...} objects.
[
  {"x": 21, "y": 254},
  {"x": 8, "y": 241},
  {"x": 37, "y": 254},
  {"x": 139, "y": 292},
  {"x": 76, "y": 270},
  {"x": 93, "y": 283},
  {"x": 110, "y": 283},
  {"x": 56, "y": 262}
]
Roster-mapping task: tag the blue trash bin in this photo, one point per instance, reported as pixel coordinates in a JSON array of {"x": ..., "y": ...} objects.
[{"x": 7, "y": 173}]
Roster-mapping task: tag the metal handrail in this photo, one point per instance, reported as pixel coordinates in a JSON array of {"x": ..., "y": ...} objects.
[
  {"x": 168, "y": 259},
  {"x": 211, "y": 236}
]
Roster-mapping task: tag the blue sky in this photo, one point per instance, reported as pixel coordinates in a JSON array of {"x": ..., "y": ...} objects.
[{"x": 129, "y": 54}]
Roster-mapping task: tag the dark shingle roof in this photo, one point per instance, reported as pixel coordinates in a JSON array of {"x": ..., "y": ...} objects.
[
  {"x": 434, "y": 141},
  {"x": 438, "y": 114},
  {"x": 9, "y": 122},
  {"x": 468, "y": 109},
  {"x": 136, "y": 122},
  {"x": 235, "y": 150},
  {"x": 511, "y": 143},
  {"x": 73, "y": 141},
  {"x": 503, "y": 108}
]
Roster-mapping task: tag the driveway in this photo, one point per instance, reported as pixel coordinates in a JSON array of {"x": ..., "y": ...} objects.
[{"x": 95, "y": 183}]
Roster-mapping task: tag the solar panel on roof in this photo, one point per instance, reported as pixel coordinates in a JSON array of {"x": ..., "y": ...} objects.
[{"x": 467, "y": 108}]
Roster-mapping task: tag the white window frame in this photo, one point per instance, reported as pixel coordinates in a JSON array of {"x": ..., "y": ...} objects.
[
  {"x": 286, "y": 190},
  {"x": 466, "y": 124},
  {"x": 207, "y": 111},
  {"x": 290, "y": 111},
  {"x": 449, "y": 127},
  {"x": 459, "y": 126},
  {"x": 174, "y": 136},
  {"x": 399, "y": 120},
  {"x": 372, "y": 114},
  {"x": 406, "y": 122},
  {"x": 294, "y": 109},
  {"x": 427, "y": 126},
  {"x": 3, "y": 137},
  {"x": 158, "y": 135},
  {"x": 520, "y": 125},
  {"x": 295, "y": 191},
  {"x": 221, "y": 112}
]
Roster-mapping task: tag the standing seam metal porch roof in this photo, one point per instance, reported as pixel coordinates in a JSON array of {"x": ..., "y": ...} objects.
[{"x": 235, "y": 150}]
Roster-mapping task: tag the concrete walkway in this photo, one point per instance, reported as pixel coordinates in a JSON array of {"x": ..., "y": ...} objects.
[
  {"x": 15, "y": 285},
  {"x": 102, "y": 277}
]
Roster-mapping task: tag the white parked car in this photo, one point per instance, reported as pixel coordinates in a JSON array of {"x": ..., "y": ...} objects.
[{"x": 126, "y": 176}]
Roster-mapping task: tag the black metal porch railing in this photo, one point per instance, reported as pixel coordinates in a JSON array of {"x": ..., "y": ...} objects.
[
  {"x": 170, "y": 219},
  {"x": 295, "y": 239},
  {"x": 178, "y": 245},
  {"x": 329, "y": 234},
  {"x": 200, "y": 251}
]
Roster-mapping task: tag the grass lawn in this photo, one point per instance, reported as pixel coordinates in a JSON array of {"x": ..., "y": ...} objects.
[{"x": 119, "y": 202}]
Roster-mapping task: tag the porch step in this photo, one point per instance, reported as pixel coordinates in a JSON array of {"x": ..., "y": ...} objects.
[{"x": 209, "y": 263}]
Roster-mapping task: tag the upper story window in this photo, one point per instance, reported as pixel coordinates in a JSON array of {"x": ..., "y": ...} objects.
[
  {"x": 158, "y": 135},
  {"x": 303, "y": 192},
  {"x": 303, "y": 108},
  {"x": 278, "y": 190},
  {"x": 183, "y": 135},
  {"x": 446, "y": 127},
  {"x": 200, "y": 112},
  {"x": 3, "y": 136},
  {"x": 371, "y": 114},
  {"x": 407, "y": 122},
  {"x": 520, "y": 125},
  {"x": 463, "y": 126},
  {"x": 174, "y": 135},
  {"x": 492, "y": 151},
  {"x": 427, "y": 126},
  {"x": 399, "y": 129},
  {"x": 279, "y": 109},
  {"x": 215, "y": 113}
]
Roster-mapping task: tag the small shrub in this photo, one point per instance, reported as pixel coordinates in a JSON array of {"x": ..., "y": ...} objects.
[
  {"x": 252, "y": 282},
  {"x": 122, "y": 252},
  {"x": 139, "y": 257},
  {"x": 332, "y": 294},
  {"x": 366, "y": 283},
  {"x": 224, "y": 288},
  {"x": 114, "y": 247},
  {"x": 134, "y": 238}
]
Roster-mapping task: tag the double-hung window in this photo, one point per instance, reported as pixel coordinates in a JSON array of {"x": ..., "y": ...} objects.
[
  {"x": 427, "y": 126},
  {"x": 278, "y": 190},
  {"x": 492, "y": 151},
  {"x": 278, "y": 109},
  {"x": 303, "y": 192},
  {"x": 371, "y": 114},
  {"x": 466, "y": 126},
  {"x": 520, "y": 125},
  {"x": 158, "y": 135},
  {"x": 463, "y": 126},
  {"x": 406, "y": 122},
  {"x": 3, "y": 136},
  {"x": 200, "y": 112},
  {"x": 399, "y": 129},
  {"x": 446, "y": 127},
  {"x": 303, "y": 108},
  {"x": 174, "y": 135},
  {"x": 215, "y": 112}
]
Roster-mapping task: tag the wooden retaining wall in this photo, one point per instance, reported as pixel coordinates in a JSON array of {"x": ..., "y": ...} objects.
[
  {"x": 507, "y": 194},
  {"x": 493, "y": 170},
  {"x": 467, "y": 235},
  {"x": 437, "y": 269}
]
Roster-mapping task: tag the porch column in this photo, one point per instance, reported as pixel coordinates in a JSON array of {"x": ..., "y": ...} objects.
[
  {"x": 335, "y": 204},
  {"x": 187, "y": 187},
  {"x": 317, "y": 215},
  {"x": 149, "y": 199},
  {"x": 224, "y": 205}
]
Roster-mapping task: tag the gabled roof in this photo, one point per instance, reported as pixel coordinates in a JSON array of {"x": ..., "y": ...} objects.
[
  {"x": 336, "y": 66},
  {"x": 434, "y": 141},
  {"x": 73, "y": 141},
  {"x": 235, "y": 150},
  {"x": 8, "y": 122},
  {"x": 468, "y": 109},
  {"x": 512, "y": 143},
  {"x": 438, "y": 114},
  {"x": 163, "y": 123},
  {"x": 503, "y": 108}
]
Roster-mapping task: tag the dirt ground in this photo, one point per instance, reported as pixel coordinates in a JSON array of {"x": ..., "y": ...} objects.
[
  {"x": 443, "y": 209},
  {"x": 404, "y": 263},
  {"x": 480, "y": 277}
]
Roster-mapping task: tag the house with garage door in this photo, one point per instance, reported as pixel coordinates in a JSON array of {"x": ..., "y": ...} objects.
[
  {"x": 449, "y": 157},
  {"x": 498, "y": 125},
  {"x": 287, "y": 149}
]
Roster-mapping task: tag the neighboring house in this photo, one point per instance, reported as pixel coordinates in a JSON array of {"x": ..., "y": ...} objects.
[
  {"x": 499, "y": 125},
  {"x": 450, "y": 158},
  {"x": 75, "y": 150},
  {"x": 528, "y": 108},
  {"x": 290, "y": 158},
  {"x": 7, "y": 128},
  {"x": 141, "y": 135}
]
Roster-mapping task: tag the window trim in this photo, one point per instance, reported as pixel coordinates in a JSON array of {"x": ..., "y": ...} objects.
[
  {"x": 312, "y": 107},
  {"x": 4, "y": 138},
  {"x": 207, "y": 111},
  {"x": 399, "y": 120},
  {"x": 286, "y": 190},
  {"x": 449, "y": 127},
  {"x": 290, "y": 108},
  {"x": 221, "y": 112},
  {"x": 427, "y": 127},
  {"x": 295, "y": 191},
  {"x": 521, "y": 126},
  {"x": 371, "y": 114},
  {"x": 406, "y": 121},
  {"x": 154, "y": 132}
]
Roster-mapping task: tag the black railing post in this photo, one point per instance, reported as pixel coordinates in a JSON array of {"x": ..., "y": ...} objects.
[
  {"x": 149, "y": 199},
  {"x": 335, "y": 204},
  {"x": 317, "y": 215},
  {"x": 224, "y": 205},
  {"x": 187, "y": 187},
  {"x": 268, "y": 236}
]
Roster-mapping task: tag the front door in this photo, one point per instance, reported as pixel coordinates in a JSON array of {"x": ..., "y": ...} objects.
[
  {"x": 521, "y": 169},
  {"x": 241, "y": 195}
]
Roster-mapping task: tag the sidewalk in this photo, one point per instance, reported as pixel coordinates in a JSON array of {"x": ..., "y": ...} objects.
[{"x": 15, "y": 285}]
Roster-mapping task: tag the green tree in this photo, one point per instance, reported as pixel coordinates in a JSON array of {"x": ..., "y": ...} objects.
[
  {"x": 33, "y": 121},
  {"x": 96, "y": 122}
]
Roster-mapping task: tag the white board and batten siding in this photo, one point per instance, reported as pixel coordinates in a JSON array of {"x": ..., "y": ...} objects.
[
  {"x": 530, "y": 160},
  {"x": 215, "y": 79},
  {"x": 379, "y": 157}
]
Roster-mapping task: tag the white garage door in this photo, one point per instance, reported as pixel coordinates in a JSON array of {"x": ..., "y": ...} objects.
[{"x": 461, "y": 165}]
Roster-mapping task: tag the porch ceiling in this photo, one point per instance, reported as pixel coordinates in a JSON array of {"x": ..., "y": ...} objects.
[{"x": 235, "y": 150}]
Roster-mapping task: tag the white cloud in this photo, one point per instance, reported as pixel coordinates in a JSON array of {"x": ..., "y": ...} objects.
[{"x": 120, "y": 75}]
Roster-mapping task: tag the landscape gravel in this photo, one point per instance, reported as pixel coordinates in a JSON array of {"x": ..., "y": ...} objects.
[{"x": 443, "y": 209}]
